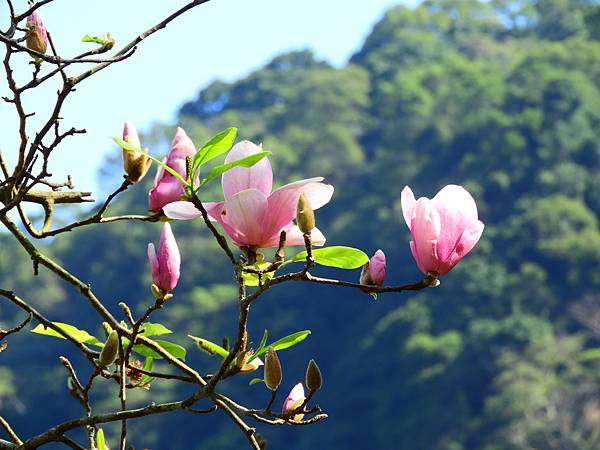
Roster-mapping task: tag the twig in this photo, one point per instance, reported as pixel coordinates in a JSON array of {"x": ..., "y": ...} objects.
[{"x": 9, "y": 431}]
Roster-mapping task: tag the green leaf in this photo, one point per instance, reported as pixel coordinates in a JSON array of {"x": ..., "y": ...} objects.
[
  {"x": 176, "y": 351},
  {"x": 148, "y": 363},
  {"x": 79, "y": 335},
  {"x": 263, "y": 341},
  {"x": 210, "y": 347},
  {"x": 95, "y": 39},
  {"x": 251, "y": 279},
  {"x": 248, "y": 161},
  {"x": 255, "y": 381},
  {"x": 589, "y": 354},
  {"x": 341, "y": 257},
  {"x": 286, "y": 342},
  {"x": 132, "y": 148},
  {"x": 100, "y": 442},
  {"x": 218, "y": 145},
  {"x": 154, "y": 329}
]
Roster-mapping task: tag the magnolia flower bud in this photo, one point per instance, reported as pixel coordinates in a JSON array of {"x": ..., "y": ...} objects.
[
  {"x": 294, "y": 399},
  {"x": 314, "y": 380},
  {"x": 165, "y": 264},
  {"x": 305, "y": 216},
  {"x": 109, "y": 352},
  {"x": 272, "y": 370},
  {"x": 37, "y": 37},
  {"x": 136, "y": 164},
  {"x": 373, "y": 272},
  {"x": 243, "y": 364}
]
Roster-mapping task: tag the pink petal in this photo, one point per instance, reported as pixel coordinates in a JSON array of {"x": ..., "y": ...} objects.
[
  {"x": 407, "y": 200},
  {"x": 244, "y": 212},
  {"x": 456, "y": 209},
  {"x": 295, "y": 394},
  {"x": 259, "y": 176},
  {"x": 294, "y": 237},
  {"x": 154, "y": 267},
  {"x": 169, "y": 190},
  {"x": 181, "y": 147},
  {"x": 465, "y": 244},
  {"x": 377, "y": 267},
  {"x": 169, "y": 259},
  {"x": 425, "y": 231},
  {"x": 130, "y": 134},
  {"x": 283, "y": 202},
  {"x": 181, "y": 210}
]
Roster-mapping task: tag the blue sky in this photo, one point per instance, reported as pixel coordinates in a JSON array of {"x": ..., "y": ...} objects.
[{"x": 223, "y": 39}]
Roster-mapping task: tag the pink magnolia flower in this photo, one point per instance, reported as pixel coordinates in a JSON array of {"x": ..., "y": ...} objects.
[
  {"x": 373, "y": 272},
  {"x": 166, "y": 263},
  {"x": 251, "y": 214},
  {"x": 167, "y": 188},
  {"x": 37, "y": 39},
  {"x": 443, "y": 229},
  {"x": 294, "y": 400}
]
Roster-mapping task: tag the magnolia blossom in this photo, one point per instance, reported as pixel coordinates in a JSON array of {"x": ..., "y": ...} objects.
[
  {"x": 294, "y": 399},
  {"x": 167, "y": 188},
  {"x": 443, "y": 229},
  {"x": 251, "y": 214},
  {"x": 373, "y": 272},
  {"x": 165, "y": 263},
  {"x": 37, "y": 39}
]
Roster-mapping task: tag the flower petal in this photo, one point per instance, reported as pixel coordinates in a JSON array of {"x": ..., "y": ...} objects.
[
  {"x": 407, "y": 200},
  {"x": 425, "y": 231},
  {"x": 259, "y": 176},
  {"x": 456, "y": 209},
  {"x": 181, "y": 210},
  {"x": 169, "y": 259},
  {"x": 283, "y": 201},
  {"x": 464, "y": 245},
  {"x": 244, "y": 212},
  {"x": 154, "y": 267},
  {"x": 294, "y": 237}
]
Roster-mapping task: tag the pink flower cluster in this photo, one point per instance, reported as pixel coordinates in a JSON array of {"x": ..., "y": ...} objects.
[{"x": 443, "y": 229}]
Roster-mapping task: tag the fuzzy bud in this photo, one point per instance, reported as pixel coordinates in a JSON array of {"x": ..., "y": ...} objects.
[
  {"x": 314, "y": 380},
  {"x": 136, "y": 164},
  {"x": 305, "y": 216},
  {"x": 294, "y": 399},
  {"x": 272, "y": 370},
  {"x": 109, "y": 352},
  {"x": 37, "y": 37}
]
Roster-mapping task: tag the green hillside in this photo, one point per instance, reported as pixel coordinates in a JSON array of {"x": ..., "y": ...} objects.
[{"x": 502, "y": 97}]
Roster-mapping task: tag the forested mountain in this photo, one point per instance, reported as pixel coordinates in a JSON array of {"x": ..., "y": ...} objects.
[{"x": 500, "y": 96}]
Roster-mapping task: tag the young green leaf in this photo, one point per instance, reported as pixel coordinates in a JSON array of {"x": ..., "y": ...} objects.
[
  {"x": 251, "y": 279},
  {"x": 210, "y": 347},
  {"x": 341, "y": 257},
  {"x": 218, "y": 145},
  {"x": 79, "y": 335},
  {"x": 176, "y": 351},
  {"x": 248, "y": 161},
  {"x": 255, "y": 381},
  {"x": 132, "y": 148},
  {"x": 95, "y": 39},
  {"x": 100, "y": 442},
  {"x": 285, "y": 342},
  {"x": 263, "y": 342},
  {"x": 154, "y": 329}
]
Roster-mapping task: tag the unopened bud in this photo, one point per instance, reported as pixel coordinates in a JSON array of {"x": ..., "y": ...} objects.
[
  {"x": 109, "y": 41},
  {"x": 158, "y": 294},
  {"x": 294, "y": 400},
  {"x": 136, "y": 164},
  {"x": 37, "y": 37},
  {"x": 108, "y": 355},
  {"x": 373, "y": 272},
  {"x": 314, "y": 380},
  {"x": 272, "y": 370},
  {"x": 244, "y": 364},
  {"x": 305, "y": 216}
]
